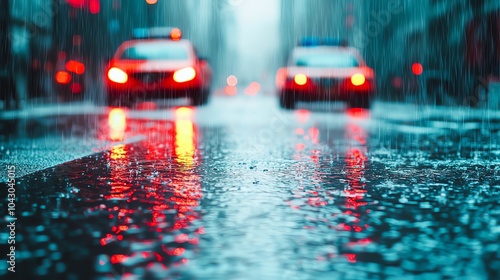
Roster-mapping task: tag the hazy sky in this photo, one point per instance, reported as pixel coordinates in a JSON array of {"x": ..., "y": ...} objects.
[{"x": 257, "y": 37}]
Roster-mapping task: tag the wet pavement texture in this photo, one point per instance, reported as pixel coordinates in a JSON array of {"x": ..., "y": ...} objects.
[{"x": 243, "y": 190}]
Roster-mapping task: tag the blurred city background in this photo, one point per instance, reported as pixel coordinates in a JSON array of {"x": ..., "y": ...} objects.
[{"x": 427, "y": 51}]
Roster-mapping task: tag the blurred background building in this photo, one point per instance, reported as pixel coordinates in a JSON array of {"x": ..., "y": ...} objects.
[
  {"x": 38, "y": 35},
  {"x": 424, "y": 51},
  {"x": 435, "y": 50},
  {"x": 432, "y": 51}
]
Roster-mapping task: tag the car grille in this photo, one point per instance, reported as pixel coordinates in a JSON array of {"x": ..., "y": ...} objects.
[
  {"x": 327, "y": 82},
  {"x": 150, "y": 77}
]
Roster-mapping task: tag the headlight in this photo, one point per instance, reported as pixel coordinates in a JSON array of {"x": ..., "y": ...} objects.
[
  {"x": 184, "y": 75},
  {"x": 358, "y": 79},
  {"x": 300, "y": 79},
  {"x": 117, "y": 75}
]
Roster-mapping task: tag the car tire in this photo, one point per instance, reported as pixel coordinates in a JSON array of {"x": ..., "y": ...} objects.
[
  {"x": 287, "y": 101},
  {"x": 200, "y": 98},
  {"x": 360, "y": 102}
]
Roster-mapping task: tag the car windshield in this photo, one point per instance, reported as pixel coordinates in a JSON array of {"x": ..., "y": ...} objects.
[
  {"x": 155, "y": 51},
  {"x": 327, "y": 60}
]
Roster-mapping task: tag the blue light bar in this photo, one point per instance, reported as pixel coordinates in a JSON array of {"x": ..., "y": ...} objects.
[
  {"x": 309, "y": 42},
  {"x": 315, "y": 41},
  {"x": 153, "y": 33},
  {"x": 140, "y": 33}
]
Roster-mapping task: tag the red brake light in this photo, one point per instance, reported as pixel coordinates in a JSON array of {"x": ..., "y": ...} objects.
[
  {"x": 117, "y": 75},
  {"x": 94, "y": 6},
  {"x": 63, "y": 77},
  {"x": 76, "y": 3},
  {"x": 75, "y": 67},
  {"x": 417, "y": 69}
]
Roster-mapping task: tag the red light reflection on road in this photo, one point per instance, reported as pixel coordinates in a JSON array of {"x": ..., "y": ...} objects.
[
  {"x": 358, "y": 113},
  {"x": 302, "y": 115},
  {"x": 117, "y": 122},
  {"x": 307, "y": 156},
  {"x": 118, "y": 164},
  {"x": 309, "y": 167},
  {"x": 356, "y": 133},
  {"x": 230, "y": 90},
  {"x": 252, "y": 89},
  {"x": 184, "y": 137},
  {"x": 184, "y": 113},
  {"x": 156, "y": 182},
  {"x": 355, "y": 164},
  {"x": 314, "y": 135}
]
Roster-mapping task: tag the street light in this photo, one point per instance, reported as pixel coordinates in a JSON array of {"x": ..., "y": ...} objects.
[{"x": 151, "y": 2}]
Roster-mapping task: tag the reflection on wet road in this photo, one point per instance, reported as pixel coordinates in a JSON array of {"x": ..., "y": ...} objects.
[{"x": 242, "y": 190}]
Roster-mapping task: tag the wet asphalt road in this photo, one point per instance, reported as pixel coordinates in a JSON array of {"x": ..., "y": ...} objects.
[{"x": 243, "y": 190}]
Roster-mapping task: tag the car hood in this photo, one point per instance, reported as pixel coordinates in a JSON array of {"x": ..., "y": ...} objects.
[{"x": 133, "y": 66}]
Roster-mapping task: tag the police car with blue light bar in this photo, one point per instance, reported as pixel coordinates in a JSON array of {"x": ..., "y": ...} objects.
[
  {"x": 325, "y": 69},
  {"x": 157, "y": 63}
]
